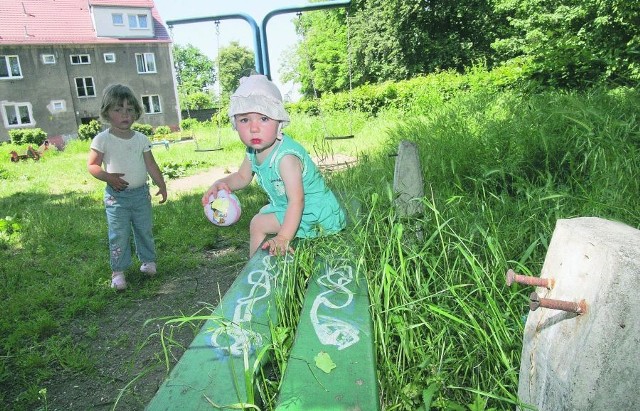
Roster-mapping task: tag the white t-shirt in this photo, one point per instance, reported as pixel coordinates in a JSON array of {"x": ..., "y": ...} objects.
[{"x": 124, "y": 156}]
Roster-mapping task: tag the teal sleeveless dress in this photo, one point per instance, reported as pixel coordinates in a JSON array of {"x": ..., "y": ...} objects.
[{"x": 322, "y": 213}]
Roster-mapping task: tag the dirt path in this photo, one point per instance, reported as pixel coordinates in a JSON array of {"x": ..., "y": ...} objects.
[{"x": 200, "y": 182}]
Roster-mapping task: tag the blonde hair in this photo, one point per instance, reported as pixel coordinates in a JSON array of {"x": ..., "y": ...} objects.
[{"x": 115, "y": 95}]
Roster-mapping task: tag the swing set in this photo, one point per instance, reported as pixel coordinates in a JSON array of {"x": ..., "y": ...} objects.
[{"x": 261, "y": 55}]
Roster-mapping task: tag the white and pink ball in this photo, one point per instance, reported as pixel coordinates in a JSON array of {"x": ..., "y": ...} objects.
[{"x": 223, "y": 210}]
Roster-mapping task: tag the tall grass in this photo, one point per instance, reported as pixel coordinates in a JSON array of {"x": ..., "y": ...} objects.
[{"x": 500, "y": 169}]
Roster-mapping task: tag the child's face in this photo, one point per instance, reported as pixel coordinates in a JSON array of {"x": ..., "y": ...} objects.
[
  {"x": 121, "y": 116},
  {"x": 257, "y": 130}
]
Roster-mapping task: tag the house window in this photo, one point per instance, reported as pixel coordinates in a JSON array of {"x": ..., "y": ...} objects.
[
  {"x": 17, "y": 114},
  {"x": 10, "y": 67},
  {"x": 146, "y": 62},
  {"x": 57, "y": 105},
  {"x": 80, "y": 59},
  {"x": 138, "y": 21},
  {"x": 48, "y": 59},
  {"x": 151, "y": 104},
  {"x": 85, "y": 87},
  {"x": 117, "y": 19},
  {"x": 109, "y": 57}
]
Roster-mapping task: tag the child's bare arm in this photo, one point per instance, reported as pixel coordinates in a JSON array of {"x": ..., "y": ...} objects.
[
  {"x": 156, "y": 174},
  {"x": 94, "y": 165},
  {"x": 291, "y": 173}
]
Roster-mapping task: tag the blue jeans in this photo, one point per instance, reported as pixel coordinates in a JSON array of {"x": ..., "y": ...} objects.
[{"x": 127, "y": 210}]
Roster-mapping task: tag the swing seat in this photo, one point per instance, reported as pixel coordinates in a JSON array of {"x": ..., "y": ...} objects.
[
  {"x": 202, "y": 150},
  {"x": 339, "y": 137},
  {"x": 164, "y": 143}
]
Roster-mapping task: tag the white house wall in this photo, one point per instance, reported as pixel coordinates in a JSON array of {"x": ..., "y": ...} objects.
[{"x": 102, "y": 17}]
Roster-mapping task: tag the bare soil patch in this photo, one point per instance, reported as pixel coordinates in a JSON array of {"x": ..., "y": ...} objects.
[{"x": 126, "y": 349}]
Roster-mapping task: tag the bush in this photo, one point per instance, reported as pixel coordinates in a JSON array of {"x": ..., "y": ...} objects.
[
  {"x": 188, "y": 123},
  {"x": 220, "y": 118},
  {"x": 162, "y": 131},
  {"x": 89, "y": 131},
  {"x": 34, "y": 136},
  {"x": 196, "y": 101},
  {"x": 145, "y": 129},
  {"x": 417, "y": 95}
]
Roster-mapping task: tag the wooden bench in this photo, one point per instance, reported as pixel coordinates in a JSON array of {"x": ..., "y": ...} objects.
[
  {"x": 211, "y": 372},
  {"x": 334, "y": 321},
  {"x": 335, "y": 330}
]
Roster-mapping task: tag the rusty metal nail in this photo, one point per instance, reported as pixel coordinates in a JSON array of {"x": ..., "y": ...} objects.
[
  {"x": 528, "y": 280},
  {"x": 569, "y": 306}
]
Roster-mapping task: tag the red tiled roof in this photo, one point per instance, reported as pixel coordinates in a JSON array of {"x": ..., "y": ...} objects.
[{"x": 65, "y": 22}]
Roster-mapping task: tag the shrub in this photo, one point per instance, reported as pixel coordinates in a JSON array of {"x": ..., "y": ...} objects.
[
  {"x": 188, "y": 123},
  {"x": 197, "y": 101},
  {"x": 220, "y": 119},
  {"x": 145, "y": 129},
  {"x": 34, "y": 136},
  {"x": 89, "y": 131},
  {"x": 162, "y": 131}
]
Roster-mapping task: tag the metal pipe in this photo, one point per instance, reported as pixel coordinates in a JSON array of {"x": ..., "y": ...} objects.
[
  {"x": 292, "y": 9},
  {"x": 257, "y": 43},
  {"x": 261, "y": 49}
]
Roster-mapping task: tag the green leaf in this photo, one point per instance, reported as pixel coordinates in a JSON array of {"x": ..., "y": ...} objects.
[
  {"x": 427, "y": 395},
  {"x": 324, "y": 362}
]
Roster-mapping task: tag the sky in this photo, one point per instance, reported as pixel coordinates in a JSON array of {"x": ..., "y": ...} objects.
[{"x": 281, "y": 33}]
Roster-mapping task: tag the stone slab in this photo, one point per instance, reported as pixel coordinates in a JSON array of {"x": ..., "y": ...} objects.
[{"x": 590, "y": 361}]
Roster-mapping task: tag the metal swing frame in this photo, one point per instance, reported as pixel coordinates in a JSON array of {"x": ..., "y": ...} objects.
[{"x": 261, "y": 50}]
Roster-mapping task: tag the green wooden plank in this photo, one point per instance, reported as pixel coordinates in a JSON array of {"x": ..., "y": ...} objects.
[
  {"x": 211, "y": 370},
  {"x": 334, "y": 320}
]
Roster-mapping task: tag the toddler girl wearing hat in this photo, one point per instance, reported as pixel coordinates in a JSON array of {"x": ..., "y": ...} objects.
[{"x": 300, "y": 203}]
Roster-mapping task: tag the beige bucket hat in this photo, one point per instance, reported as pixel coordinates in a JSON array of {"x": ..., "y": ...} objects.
[{"x": 257, "y": 94}]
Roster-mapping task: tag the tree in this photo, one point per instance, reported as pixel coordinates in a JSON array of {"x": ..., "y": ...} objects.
[
  {"x": 399, "y": 39},
  {"x": 234, "y": 61},
  {"x": 194, "y": 71},
  {"x": 197, "y": 101},
  {"x": 320, "y": 63},
  {"x": 393, "y": 40},
  {"x": 574, "y": 43}
]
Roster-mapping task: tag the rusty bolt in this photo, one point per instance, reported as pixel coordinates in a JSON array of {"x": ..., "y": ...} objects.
[
  {"x": 569, "y": 306},
  {"x": 528, "y": 280}
]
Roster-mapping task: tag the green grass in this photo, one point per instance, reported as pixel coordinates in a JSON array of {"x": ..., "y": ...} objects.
[{"x": 499, "y": 169}]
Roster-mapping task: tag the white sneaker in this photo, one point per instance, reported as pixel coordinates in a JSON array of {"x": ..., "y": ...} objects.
[
  {"x": 117, "y": 280},
  {"x": 148, "y": 268}
]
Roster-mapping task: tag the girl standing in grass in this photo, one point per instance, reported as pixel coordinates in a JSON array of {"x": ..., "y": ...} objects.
[
  {"x": 128, "y": 160},
  {"x": 300, "y": 203}
]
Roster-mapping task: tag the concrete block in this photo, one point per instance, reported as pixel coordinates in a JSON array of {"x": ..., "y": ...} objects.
[
  {"x": 590, "y": 361},
  {"x": 408, "y": 183}
]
